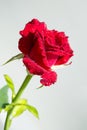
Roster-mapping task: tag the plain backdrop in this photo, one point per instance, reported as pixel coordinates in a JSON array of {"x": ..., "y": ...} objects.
[{"x": 62, "y": 106}]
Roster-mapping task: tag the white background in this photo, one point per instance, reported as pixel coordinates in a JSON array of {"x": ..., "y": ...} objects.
[{"x": 62, "y": 106}]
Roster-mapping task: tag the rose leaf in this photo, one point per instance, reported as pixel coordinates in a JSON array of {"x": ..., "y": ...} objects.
[
  {"x": 4, "y": 97},
  {"x": 10, "y": 84}
]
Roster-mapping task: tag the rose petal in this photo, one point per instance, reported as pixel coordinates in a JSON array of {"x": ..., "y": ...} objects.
[
  {"x": 26, "y": 43},
  {"x": 48, "y": 78},
  {"x": 33, "y": 67},
  {"x": 38, "y": 53},
  {"x": 32, "y": 26},
  {"x": 63, "y": 59},
  {"x": 52, "y": 56},
  {"x": 29, "y": 27}
]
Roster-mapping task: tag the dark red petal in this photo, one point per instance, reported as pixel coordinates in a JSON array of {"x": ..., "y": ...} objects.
[
  {"x": 38, "y": 53},
  {"x": 26, "y": 43},
  {"x": 48, "y": 78},
  {"x": 33, "y": 67}
]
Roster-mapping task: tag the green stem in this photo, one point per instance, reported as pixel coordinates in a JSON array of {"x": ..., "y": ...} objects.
[
  {"x": 19, "y": 93},
  {"x": 23, "y": 86}
]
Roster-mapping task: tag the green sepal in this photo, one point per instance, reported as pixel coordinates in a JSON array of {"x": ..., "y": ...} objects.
[
  {"x": 19, "y": 107},
  {"x": 10, "y": 84},
  {"x": 32, "y": 110},
  {"x": 18, "y": 56},
  {"x": 4, "y": 100},
  {"x": 40, "y": 87}
]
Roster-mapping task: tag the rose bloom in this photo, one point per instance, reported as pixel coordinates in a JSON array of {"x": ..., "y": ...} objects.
[{"x": 42, "y": 49}]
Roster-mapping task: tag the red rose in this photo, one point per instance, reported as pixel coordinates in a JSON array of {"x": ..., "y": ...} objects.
[{"x": 42, "y": 49}]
